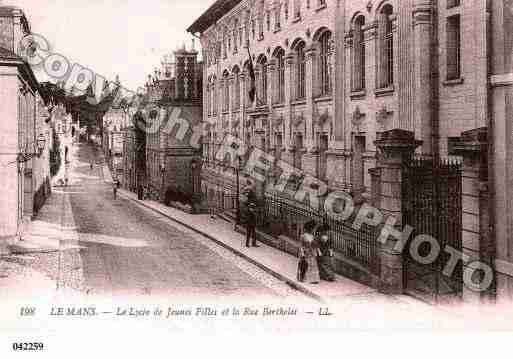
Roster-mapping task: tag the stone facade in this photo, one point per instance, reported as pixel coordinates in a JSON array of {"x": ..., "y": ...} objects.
[
  {"x": 23, "y": 173},
  {"x": 365, "y": 71},
  {"x": 173, "y": 115}
]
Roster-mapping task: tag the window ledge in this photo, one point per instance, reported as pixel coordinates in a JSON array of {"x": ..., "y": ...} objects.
[
  {"x": 454, "y": 82},
  {"x": 321, "y": 7},
  {"x": 358, "y": 94},
  {"x": 296, "y": 19},
  {"x": 323, "y": 98},
  {"x": 226, "y": 112},
  {"x": 298, "y": 102},
  {"x": 236, "y": 110},
  {"x": 278, "y": 105},
  {"x": 278, "y": 29},
  {"x": 384, "y": 91}
]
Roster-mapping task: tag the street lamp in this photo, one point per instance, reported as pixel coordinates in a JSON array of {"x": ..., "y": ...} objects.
[{"x": 162, "y": 172}]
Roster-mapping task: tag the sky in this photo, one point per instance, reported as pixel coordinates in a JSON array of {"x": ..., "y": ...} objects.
[{"x": 116, "y": 37}]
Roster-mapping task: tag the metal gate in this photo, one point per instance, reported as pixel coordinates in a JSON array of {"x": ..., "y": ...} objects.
[{"x": 432, "y": 205}]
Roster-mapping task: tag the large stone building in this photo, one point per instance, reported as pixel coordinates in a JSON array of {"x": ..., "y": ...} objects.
[
  {"x": 169, "y": 115},
  {"x": 347, "y": 91},
  {"x": 330, "y": 75}
]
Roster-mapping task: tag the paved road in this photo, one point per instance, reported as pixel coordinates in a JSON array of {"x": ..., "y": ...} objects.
[{"x": 129, "y": 250}]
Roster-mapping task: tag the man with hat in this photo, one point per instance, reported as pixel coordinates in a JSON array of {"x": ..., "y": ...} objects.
[{"x": 251, "y": 222}]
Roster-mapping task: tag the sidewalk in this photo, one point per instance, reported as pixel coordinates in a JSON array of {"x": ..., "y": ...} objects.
[
  {"x": 47, "y": 255},
  {"x": 279, "y": 264}
]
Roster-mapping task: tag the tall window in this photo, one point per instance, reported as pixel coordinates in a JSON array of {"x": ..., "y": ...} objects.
[
  {"x": 277, "y": 15},
  {"x": 325, "y": 63},
  {"x": 386, "y": 53},
  {"x": 226, "y": 90},
  {"x": 453, "y": 48},
  {"x": 280, "y": 76},
  {"x": 262, "y": 95},
  {"x": 236, "y": 89},
  {"x": 214, "y": 95},
  {"x": 235, "y": 35},
  {"x": 207, "y": 100},
  {"x": 300, "y": 70},
  {"x": 358, "y": 72}
]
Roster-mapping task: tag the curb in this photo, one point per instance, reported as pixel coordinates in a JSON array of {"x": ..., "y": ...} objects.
[{"x": 293, "y": 284}]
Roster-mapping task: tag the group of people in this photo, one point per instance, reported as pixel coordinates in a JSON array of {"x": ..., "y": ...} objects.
[{"x": 315, "y": 254}]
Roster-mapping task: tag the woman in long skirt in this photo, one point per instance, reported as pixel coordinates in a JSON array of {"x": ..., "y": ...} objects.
[
  {"x": 309, "y": 251},
  {"x": 325, "y": 254}
]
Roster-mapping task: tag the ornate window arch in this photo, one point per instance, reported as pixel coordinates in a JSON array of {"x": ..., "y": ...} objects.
[
  {"x": 262, "y": 79},
  {"x": 279, "y": 56},
  {"x": 385, "y": 54},
  {"x": 300, "y": 69},
  {"x": 325, "y": 69},
  {"x": 358, "y": 55},
  {"x": 226, "y": 91},
  {"x": 236, "y": 87}
]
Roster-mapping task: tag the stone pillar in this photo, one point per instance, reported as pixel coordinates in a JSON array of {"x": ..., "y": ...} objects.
[
  {"x": 422, "y": 30},
  {"x": 309, "y": 93},
  {"x": 272, "y": 83},
  {"x": 289, "y": 93},
  {"x": 501, "y": 143},
  {"x": 394, "y": 146},
  {"x": 476, "y": 241}
]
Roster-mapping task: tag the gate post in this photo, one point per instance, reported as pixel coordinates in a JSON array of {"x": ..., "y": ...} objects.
[
  {"x": 476, "y": 240},
  {"x": 395, "y": 147}
]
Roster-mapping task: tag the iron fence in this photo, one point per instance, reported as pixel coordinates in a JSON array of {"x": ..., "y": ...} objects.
[{"x": 281, "y": 216}]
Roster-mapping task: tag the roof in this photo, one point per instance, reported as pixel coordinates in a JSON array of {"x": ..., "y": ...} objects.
[
  {"x": 11, "y": 11},
  {"x": 212, "y": 15}
]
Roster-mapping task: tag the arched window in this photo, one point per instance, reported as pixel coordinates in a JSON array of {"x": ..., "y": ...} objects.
[
  {"x": 214, "y": 96},
  {"x": 235, "y": 34},
  {"x": 247, "y": 82},
  {"x": 300, "y": 70},
  {"x": 236, "y": 88},
  {"x": 386, "y": 47},
  {"x": 325, "y": 69},
  {"x": 226, "y": 91},
  {"x": 280, "y": 76},
  {"x": 358, "y": 72},
  {"x": 207, "y": 98},
  {"x": 262, "y": 88}
]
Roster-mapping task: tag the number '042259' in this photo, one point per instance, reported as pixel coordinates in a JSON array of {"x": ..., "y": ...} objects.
[{"x": 27, "y": 346}]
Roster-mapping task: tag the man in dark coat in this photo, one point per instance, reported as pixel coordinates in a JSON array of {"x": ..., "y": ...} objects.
[{"x": 251, "y": 222}]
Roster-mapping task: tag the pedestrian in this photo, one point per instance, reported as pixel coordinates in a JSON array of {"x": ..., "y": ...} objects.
[
  {"x": 251, "y": 222},
  {"x": 325, "y": 254},
  {"x": 115, "y": 189},
  {"x": 91, "y": 165},
  {"x": 308, "y": 254}
]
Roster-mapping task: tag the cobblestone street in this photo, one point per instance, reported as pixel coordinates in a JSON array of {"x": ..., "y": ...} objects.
[{"x": 129, "y": 250}]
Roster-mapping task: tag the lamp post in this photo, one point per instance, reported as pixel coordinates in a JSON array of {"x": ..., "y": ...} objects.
[{"x": 162, "y": 172}]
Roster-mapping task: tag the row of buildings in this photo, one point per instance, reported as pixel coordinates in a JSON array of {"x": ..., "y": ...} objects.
[{"x": 26, "y": 130}]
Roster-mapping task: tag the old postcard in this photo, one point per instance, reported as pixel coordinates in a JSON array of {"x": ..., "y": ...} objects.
[{"x": 253, "y": 167}]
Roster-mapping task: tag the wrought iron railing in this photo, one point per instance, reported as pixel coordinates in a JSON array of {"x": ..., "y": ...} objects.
[{"x": 280, "y": 216}]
